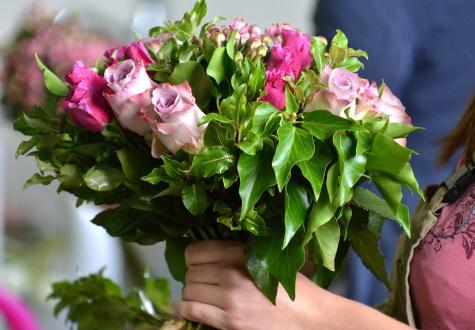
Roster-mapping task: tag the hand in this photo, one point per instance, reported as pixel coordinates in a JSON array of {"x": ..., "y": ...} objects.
[{"x": 219, "y": 292}]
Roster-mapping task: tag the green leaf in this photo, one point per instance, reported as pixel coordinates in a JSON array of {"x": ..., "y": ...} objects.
[
  {"x": 297, "y": 204},
  {"x": 257, "y": 79},
  {"x": 195, "y": 198},
  {"x": 134, "y": 164},
  {"x": 218, "y": 134},
  {"x": 290, "y": 103},
  {"x": 390, "y": 190},
  {"x": 175, "y": 257},
  {"x": 103, "y": 178},
  {"x": 216, "y": 67},
  {"x": 261, "y": 275},
  {"x": 196, "y": 76},
  {"x": 26, "y": 146},
  {"x": 352, "y": 64},
  {"x": 394, "y": 130},
  {"x": 407, "y": 178},
  {"x": 318, "y": 51},
  {"x": 333, "y": 182},
  {"x": 283, "y": 265},
  {"x": 314, "y": 168},
  {"x": 213, "y": 116},
  {"x": 352, "y": 167},
  {"x": 255, "y": 224},
  {"x": 322, "y": 123},
  {"x": 256, "y": 176},
  {"x": 158, "y": 291},
  {"x": 251, "y": 144},
  {"x": 324, "y": 277},
  {"x": 365, "y": 244},
  {"x": 70, "y": 175},
  {"x": 340, "y": 39},
  {"x": 236, "y": 107},
  {"x": 156, "y": 176},
  {"x": 327, "y": 238},
  {"x": 378, "y": 157},
  {"x": 37, "y": 124},
  {"x": 38, "y": 179},
  {"x": 212, "y": 161},
  {"x": 322, "y": 211},
  {"x": 231, "y": 44},
  {"x": 295, "y": 145},
  {"x": 54, "y": 85},
  {"x": 369, "y": 201},
  {"x": 265, "y": 116}
]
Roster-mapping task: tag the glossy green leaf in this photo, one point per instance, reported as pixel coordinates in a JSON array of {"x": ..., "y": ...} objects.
[
  {"x": 365, "y": 244},
  {"x": 352, "y": 64},
  {"x": 283, "y": 265},
  {"x": 266, "y": 119},
  {"x": 216, "y": 67},
  {"x": 384, "y": 146},
  {"x": 333, "y": 181},
  {"x": 256, "y": 176},
  {"x": 53, "y": 84},
  {"x": 103, "y": 178},
  {"x": 370, "y": 201},
  {"x": 195, "y": 198},
  {"x": 175, "y": 257},
  {"x": 297, "y": 204},
  {"x": 213, "y": 116},
  {"x": 261, "y": 276},
  {"x": 295, "y": 145},
  {"x": 212, "y": 161},
  {"x": 322, "y": 123},
  {"x": 314, "y": 168},
  {"x": 257, "y": 79},
  {"x": 70, "y": 176},
  {"x": 156, "y": 176},
  {"x": 251, "y": 144},
  {"x": 352, "y": 166},
  {"x": 38, "y": 179},
  {"x": 327, "y": 238},
  {"x": 340, "y": 39},
  {"x": 318, "y": 51},
  {"x": 322, "y": 211},
  {"x": 290, "y": 103},
  {"x": 390, "y": 190},
  {"x": 134, "y": 164}
]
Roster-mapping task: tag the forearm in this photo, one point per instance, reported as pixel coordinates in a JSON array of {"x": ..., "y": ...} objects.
[{"x": 344, "y": 313}]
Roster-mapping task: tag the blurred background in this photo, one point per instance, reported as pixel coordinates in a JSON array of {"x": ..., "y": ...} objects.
[{"x": 420, "y": 47}]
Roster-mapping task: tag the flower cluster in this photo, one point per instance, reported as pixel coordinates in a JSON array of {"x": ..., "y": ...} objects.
[{"x": 139, "y": 104}]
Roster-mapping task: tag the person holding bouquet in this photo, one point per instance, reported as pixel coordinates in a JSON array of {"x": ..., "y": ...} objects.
[{"x": 433, "y": 273}]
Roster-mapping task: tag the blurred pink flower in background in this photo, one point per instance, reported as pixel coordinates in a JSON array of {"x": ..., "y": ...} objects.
[{"x": 58, "y": 45}]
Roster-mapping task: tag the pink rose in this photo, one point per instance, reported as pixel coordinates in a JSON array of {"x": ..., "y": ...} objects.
[
  {"x": 128, "y": 94},
  {"x": 155, "y": 43},
  {"x": 84, "y": 103},
  {"x": 136, "y": 51},
  {"x": 326, "y": 100},
  {"x": 275, "y": 88},
  {"x": 174, "y": 120},
  {"x": 344, "y": 84},
  {"x": 391, "y": 106}
]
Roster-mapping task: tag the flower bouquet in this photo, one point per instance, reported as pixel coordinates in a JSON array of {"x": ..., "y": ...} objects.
[{"x": 232, "y": 133}]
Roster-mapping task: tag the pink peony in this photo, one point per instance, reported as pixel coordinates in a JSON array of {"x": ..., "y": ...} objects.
[
  {"x": 128, "y": 93},
  {"x": 275, "y": 89},
  {"x": 85, "y": 104},
  {"x": 174, "y": 120},
  {"x": 299, "y": 43}
]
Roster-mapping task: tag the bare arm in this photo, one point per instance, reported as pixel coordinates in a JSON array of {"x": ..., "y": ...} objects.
[{"x": 220, "y": 293}]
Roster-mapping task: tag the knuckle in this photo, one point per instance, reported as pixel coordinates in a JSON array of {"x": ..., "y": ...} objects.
[
  {"x": 194, "y": 312},
  {"x": 230, "y": 275},
  {"x": 188, "y": 292}
]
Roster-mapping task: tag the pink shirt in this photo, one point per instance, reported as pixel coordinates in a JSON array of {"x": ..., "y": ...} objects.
[{"x": 442, "y": 277}]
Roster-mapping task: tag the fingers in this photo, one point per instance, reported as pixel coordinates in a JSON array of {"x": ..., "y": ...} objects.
[
  {"x": 205, "y": 274},
  {"x": 202, "y": 313},
  {"x": 204, "y": 293},
  {"x": 207, "y": 252}
]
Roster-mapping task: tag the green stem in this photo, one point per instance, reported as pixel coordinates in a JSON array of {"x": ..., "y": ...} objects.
[{"x": 203, "y": 233}]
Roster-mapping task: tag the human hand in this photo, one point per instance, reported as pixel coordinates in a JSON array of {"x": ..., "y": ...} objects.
[{"x": 219, "y": 292}]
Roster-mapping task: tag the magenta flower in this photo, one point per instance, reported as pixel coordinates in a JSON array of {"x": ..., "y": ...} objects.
[{"x": 85, "y": 104}]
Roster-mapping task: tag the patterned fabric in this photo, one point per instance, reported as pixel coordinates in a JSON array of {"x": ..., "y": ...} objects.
[{"x": 443, "y": 269}]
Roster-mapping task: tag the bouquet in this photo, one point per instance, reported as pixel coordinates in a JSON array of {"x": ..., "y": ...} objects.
[
  {"x": 56, "y": 43},
  {"x": 234, "y": 133}
]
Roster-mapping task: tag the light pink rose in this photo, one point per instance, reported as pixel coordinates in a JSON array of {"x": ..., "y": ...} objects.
[
  {"x": 84, "y": 103},
  {"x": 128, "y": 94},
  {"x": 174, "y": 120},
  {"x": 344, "y": 84},
  {"x": 391, "y": 106},
  {"x": 325, "y": 100}
]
